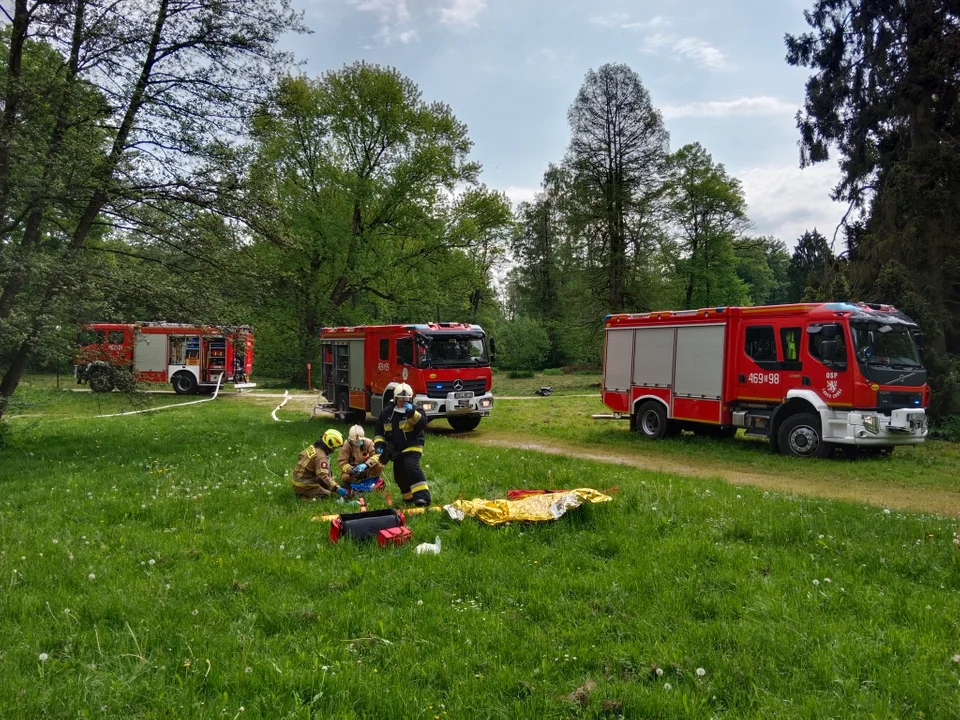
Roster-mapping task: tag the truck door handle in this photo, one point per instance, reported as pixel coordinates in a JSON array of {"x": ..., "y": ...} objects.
[
  {"x": 805, "y": 380},
  {"x": 741, "y": 378}
]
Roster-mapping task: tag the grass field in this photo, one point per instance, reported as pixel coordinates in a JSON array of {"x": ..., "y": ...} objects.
[{"x": 159, "y": 566}]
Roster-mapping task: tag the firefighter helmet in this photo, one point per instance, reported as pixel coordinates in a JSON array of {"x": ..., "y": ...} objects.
[
  {"x": 332, "y": 439},
  {"x": 355, "y": 436},
  {"x": 403, "y": 393}
]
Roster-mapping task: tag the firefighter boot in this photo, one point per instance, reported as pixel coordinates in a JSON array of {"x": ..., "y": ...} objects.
[{"x": 421, "y": 498}]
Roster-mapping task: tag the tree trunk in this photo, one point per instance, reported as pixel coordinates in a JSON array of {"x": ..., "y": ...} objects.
[{"x": 12, "y": 377}]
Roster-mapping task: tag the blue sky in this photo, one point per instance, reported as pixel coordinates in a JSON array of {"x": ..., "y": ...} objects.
[{"x": 511, "y": 68}]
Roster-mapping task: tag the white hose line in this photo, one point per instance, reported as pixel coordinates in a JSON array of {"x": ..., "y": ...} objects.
[
  {"x": 286, "y": 399},
  {"x": 162, "y": 407}
]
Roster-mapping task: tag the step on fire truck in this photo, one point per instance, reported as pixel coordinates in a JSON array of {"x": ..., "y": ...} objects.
[
  {"x": 808, "y": 376},
  {"x": 446, "y": 364},
  {"x": 194, "y": 358}
]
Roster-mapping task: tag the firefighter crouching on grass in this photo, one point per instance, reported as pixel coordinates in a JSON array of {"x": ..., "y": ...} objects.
[
  {"x": 400, "y": 434},
  {"x": 359, "y": 462},
  {"x": 311, "y": 476}
]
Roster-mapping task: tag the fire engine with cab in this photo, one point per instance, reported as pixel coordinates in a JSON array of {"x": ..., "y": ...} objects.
[
  {"x": 808, "y": 376},
  {"x": 193, "y": 358},
  {"x": 446, "y": 364}
]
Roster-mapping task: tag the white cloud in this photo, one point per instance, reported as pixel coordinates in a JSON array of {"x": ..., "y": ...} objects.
[
  {"x": 518, "y": 195},
  {"x": 701, "y": 52},
  {"x": 462, "y": 12},
  {"x": 622, "y": 20},
  {"x": 393, "y": 17},
  {"x": 745, "y": 106},
  {"x": 785, "y": 201}
]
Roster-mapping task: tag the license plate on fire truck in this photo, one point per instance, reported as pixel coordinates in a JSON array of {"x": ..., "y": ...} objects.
[{"x": 463, "y": 398}]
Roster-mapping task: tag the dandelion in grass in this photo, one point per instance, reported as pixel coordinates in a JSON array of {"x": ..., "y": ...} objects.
[
  {"x": 248, "y": 670},
  {"x": 91, "y": 577},
  {"x": 151, "y": 561},
  {"x": 659, "y": 672},
  {"x": 667, "y": 686},
  {"x": 956, "y": 658},
  {"x": 419, "y": 602},
  {"x": 44, "y": 657},
  {"x": 816, "y": 583},
  {"x": 701, "y": 672},
  {"x": 195, "y": 612}
]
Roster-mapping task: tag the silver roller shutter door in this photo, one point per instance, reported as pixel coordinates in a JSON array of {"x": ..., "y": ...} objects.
[
  {"x": 355, "y": 379},
  {"x": 150, "y": 354},
  {"x": 619, "y": 360},
  {"x": 699, "y": 368},
  {"x": 653, "y": 357}
]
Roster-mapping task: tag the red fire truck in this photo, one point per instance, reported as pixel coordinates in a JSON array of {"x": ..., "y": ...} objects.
[
  {"x": 191, "y": 357},
  {"x": 808, "y": 376},
  {"x": 446, "y": 364}
]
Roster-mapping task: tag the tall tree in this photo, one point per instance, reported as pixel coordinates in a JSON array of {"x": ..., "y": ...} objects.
[
  {"x": 812, "y": 257},
  {"x": 179, "y": 78},
  {"x": 617, "y": 156},
  {"x": 707, "y": 208},
  {"x": 378, "y": 211},
  {"x": 762, "y": 264},
  {"x": 885, "y": 94}
]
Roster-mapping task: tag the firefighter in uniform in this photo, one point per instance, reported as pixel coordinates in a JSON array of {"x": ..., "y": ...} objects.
[
  {"x": 400, "y": 434},
  {"x": 359, "y": 462},
  {"x": 311, "y": 476}
]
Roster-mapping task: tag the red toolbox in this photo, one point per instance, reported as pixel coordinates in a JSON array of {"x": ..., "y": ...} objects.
[{"x": 393, "y": 536}]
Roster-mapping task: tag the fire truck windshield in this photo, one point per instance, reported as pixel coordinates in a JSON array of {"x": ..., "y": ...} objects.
[
  {"x": 885, "y": 344},
  {"x": 453, "y": 351}
]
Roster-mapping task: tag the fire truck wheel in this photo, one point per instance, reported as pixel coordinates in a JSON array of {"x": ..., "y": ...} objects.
[
  {"x": 464, "y": 423},
  {"x": 184, "y": 383},
  {"x": 347, "y": 414},
  {"x": 100, "y": 377},
  {"x": 800, "y": 435},
  {"x": 652, "y": 420}
]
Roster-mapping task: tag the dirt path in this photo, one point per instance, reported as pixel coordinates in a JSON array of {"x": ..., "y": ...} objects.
[{"x": 940, "y": 501}]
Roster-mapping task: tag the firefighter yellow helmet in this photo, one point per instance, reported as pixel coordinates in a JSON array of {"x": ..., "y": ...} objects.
[
  {"x": 332, "y": 439},
  {"x": 356, "y": 435},
  {"x": 403, "y": 391}
]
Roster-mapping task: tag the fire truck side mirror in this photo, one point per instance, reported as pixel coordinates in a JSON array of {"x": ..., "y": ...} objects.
[
  {"x": 828, "y": 350},
  {"x": 919, "y": 339}
]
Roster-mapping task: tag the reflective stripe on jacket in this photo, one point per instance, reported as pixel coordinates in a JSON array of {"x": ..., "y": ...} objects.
[
  {"x": 313, "y": 468},
  {"x": 401, "y": 431}
]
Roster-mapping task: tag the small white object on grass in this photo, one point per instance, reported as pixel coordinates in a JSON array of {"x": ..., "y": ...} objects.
[{"x": 428, "y": 548}]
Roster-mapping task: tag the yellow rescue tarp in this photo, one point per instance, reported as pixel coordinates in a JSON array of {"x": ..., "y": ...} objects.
[{"x": 533, "y": 508}]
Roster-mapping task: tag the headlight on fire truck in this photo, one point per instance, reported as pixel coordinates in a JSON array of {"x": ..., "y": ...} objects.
[
  {"x": 485, "y": 403},
  {"x": 427, "y": 405},
  {"x": 871, "y": 423}
]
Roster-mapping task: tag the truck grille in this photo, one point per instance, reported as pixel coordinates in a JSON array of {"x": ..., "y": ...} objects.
[
  {"x": 894, "y": 400},
  {"x": 440, "y": 388}
]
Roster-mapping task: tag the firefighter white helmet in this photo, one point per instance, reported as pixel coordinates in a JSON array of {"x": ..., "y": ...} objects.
[
  {"x": 403, "y": 393},
  {"x": 356, "y": 435}
]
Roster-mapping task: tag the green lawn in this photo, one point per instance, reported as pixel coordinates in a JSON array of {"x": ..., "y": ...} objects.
[
  {"x": 162, "y": 567},
  {"x": 572, "y": 384},
  {"x": 38, "y": 399},
  {"x": 567, "y": 420}
]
